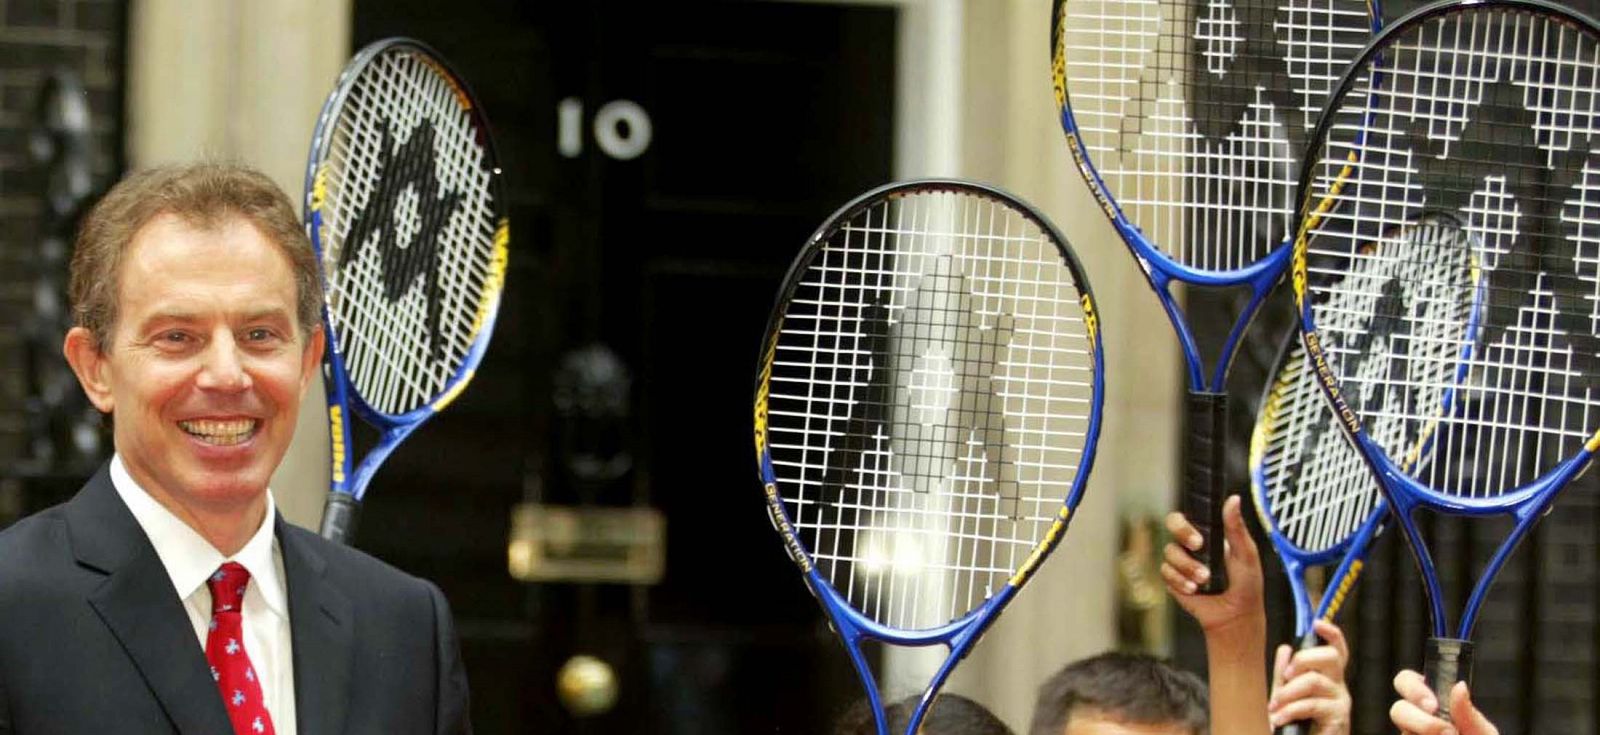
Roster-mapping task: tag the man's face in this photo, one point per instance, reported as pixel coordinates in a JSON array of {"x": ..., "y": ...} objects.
[
  {"x": 205, "y": 366},
  {"x": 1095, "y": 722}
]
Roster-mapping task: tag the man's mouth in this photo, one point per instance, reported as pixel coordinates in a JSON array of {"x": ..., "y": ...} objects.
[{"x": 220, "y": 433}]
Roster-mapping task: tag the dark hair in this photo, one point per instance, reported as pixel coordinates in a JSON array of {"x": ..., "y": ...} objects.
[
  {"x": 1128, "y": 687},
  {"x": 205, "y": 196},
  {"x": 951, "y": 714}
]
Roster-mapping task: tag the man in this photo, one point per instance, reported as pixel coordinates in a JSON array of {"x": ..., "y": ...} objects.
[
  {"x": 1120, "y": 694},
  {"x": 1309, "y": 685},
  {"x": 168, "y": 596}
]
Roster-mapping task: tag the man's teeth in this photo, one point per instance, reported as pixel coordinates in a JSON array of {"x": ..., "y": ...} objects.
[{"x": 219, "y": 432}]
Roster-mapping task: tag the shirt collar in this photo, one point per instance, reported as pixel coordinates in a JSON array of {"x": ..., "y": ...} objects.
[{"x": 189, "y": 559}]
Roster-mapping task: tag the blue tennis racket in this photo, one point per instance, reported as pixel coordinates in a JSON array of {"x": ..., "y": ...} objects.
[
  {"x": 404, "y": 207},
  {"x": 926, "y": 413},
  {"x": 1186, "y": 119},
  {"x": 1487, "y": 110},
  {"x": 1317, "y": 500}
]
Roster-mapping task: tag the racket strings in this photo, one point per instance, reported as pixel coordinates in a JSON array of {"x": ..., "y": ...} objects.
[
  {"x": 1192, "y": 115},
  {"x": 410, "y": 229},
  {"x": 1490, "y": 115},
  {"x": 929, "y": 403},
  {"x": 1317, "y": 488}
]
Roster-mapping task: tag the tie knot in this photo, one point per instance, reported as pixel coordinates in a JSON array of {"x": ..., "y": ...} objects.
[{"x": 227, "y": 587}]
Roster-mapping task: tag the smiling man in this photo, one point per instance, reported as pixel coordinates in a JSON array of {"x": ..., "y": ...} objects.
[{"x": 168, "y": 596}]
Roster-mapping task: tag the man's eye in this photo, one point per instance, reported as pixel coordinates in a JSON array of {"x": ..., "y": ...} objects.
[
  {"x": 260, "y": 334},
  {"x": 175, "y": 337}
]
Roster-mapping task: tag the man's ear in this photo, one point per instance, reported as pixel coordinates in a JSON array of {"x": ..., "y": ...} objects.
[
  {"x": 90, "y": 366},
  {"x": 311, "y": 359}
]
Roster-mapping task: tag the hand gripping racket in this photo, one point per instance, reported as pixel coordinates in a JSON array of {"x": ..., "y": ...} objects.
[
  {"x": 1186, "y": 119},
  {"x": 926, "y": 412},
  {"x": 404, "y": 207},
  {"x": 1487, "y": 110},
  {"x": 1317, "y": 500}
]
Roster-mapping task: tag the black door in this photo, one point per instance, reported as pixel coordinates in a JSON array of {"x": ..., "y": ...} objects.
[{"x": 665, "y": 161}]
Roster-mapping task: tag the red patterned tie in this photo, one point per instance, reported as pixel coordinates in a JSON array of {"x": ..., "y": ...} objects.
[{"x": 230, "y": 665}]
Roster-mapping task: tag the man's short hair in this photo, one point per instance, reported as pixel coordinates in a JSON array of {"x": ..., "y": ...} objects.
[
  {"x": 1130, "y": 688},
  {"x": 951, "y": 714},
  {"x": 205, "y": 196}
]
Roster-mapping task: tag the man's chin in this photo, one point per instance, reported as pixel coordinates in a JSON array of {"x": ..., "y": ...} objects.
[{"x": 223, "y": 490}]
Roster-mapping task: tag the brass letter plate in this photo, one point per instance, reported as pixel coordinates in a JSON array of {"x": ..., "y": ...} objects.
[{"x": 563, "y": 543}]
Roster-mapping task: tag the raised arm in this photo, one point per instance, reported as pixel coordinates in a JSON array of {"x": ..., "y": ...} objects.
[
  {"x": 1234, "y": 622},
  {"x": 1309, "y": 685}
]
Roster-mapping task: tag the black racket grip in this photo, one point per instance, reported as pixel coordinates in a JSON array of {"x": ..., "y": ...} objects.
[
  {"x": 1448, "y": 661},
  {"x": 1303, "y": 727},
  {"x": 339, "y": 517},
  {"x": 1205, "y": 483}
]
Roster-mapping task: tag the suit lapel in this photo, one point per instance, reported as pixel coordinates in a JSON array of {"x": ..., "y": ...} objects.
[
  {"x": 322, "y": 624},
  {"x": 137, "y": 603}
]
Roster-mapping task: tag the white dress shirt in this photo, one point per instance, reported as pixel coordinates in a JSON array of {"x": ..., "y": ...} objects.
[{"x": 190, "y": 560}]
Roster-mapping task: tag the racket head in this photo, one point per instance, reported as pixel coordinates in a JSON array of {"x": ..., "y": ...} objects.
[
  {"x": 927, "y": 404},
  {"x": 404, "y": 206},
  {"x": 1202, "y": 192},
  {"x": 1312, "y": 488},
  {"x": 1484, "y": 111},
  {"x": 1313, "y": 492}
]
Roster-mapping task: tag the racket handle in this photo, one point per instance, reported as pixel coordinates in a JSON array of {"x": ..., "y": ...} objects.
[
  {"x": 1204, "y": 483},
  {"x": 1303, "y": 727},
  {"x": 1448, "y": 661},
  {"x": 339, "y": 517}
]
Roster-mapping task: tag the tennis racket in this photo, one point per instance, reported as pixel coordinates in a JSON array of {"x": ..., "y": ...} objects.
[
  {"x": 1488, "y": 110},
  {"x": 926, "y": 413},
  {"x": 1187, "y": 119},
  {"x": 404, "y": 207},
  {"x": 1317, "y": 500}
]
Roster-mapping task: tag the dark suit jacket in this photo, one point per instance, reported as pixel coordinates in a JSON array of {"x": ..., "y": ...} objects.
[{"x": 93, "y": 639}]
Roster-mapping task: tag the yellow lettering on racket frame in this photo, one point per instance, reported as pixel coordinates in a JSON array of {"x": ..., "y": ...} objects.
[
  {"x": 1049, "y": 542},
  {"x": 780, "y": 521},
  {"x": 319, "y": 187},
  {"x": 462, "y": 98},
  {"x": 336, "y": 424},
  {"x": 1343, "y": 590},
  {"x": 1099, "y": 193},
  {"x": 496, "y": 279},
  {"x": 1091, "y": 322},
  {"x": 1298, "y": 256},
  {"x": 1058, "y": 61},
  {"x": 455, "y": 390},
  {"x": 1297, "y": 272},
  {"x": 761, "y": 398},
  {"x": 1270, "y": 410},
  {"x": 319, "y": 196}
]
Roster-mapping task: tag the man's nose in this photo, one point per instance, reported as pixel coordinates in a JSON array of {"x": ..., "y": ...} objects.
[{"x": 223, "y": 366}]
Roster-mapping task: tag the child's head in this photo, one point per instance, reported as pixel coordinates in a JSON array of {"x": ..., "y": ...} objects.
[
  {"x": 1120, "y": 694},
  {"x": 951, "y": 714}
]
